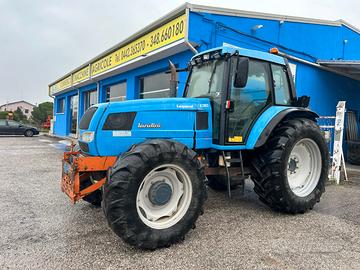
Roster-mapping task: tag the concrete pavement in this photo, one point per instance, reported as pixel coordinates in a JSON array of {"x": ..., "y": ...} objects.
[{"x": 40, "y": 229}]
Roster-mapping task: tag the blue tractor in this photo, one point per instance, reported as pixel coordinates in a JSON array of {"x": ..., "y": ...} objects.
[{"x": 149, "y": 161}]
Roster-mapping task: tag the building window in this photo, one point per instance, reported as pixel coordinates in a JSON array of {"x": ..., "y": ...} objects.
[
  {"x": 60, "y": 105},
  {"x": 26, "y": 110},
  {"x": 90, "y": 98},
  {"x": 116, "y": 92},
  {"x": 155, "y": 86}
]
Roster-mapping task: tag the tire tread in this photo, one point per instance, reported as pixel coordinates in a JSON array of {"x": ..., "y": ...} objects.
[
  {"x": 268, "y": 166},
  {"x": 126, "y": 171}
]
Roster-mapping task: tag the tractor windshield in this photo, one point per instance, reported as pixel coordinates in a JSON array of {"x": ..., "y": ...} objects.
[{"x": 206, "y": 79}]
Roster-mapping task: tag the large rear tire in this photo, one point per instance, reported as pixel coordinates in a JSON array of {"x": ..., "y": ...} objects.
[
  {"x": 353, "y": 156},
  {"x": 154, "y": 194},
  {"x": 291, "y": 169}
]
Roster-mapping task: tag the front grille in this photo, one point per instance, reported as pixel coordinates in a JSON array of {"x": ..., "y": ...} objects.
[
  {"x": 119, "y": 121},
  {"x": 84, "y": 147}
]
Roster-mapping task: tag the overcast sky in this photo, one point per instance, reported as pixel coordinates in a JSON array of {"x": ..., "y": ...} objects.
[{"x": 41, "y": 40}]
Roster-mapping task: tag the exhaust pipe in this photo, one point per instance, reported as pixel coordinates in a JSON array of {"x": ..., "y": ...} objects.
[{"x": 173, "y": 80}]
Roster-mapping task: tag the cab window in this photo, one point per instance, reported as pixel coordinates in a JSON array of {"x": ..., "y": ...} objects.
[
  {"x": 206, "y": 80},
  {"x": 281, "y": 85}
]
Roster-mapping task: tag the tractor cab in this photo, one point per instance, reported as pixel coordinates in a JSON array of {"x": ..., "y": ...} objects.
[{"x": 241, "y": 84}]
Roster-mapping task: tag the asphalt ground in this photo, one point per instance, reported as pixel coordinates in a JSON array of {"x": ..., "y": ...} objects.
[{"x": 40, "y": 229}]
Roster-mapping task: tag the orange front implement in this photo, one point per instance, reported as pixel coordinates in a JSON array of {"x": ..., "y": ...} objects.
[{"x": 76, "y": 167}]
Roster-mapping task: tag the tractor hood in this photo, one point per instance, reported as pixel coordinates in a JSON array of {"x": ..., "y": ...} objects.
[
  {"x": 160, "y": 104},
  {"x": 118, "y": 125}
]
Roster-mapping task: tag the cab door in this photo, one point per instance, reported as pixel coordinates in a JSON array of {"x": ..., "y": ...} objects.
[{"x": 247, "y": 102}]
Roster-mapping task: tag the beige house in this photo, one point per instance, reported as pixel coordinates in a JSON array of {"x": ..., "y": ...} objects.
[{"x": 24, "y": 106}]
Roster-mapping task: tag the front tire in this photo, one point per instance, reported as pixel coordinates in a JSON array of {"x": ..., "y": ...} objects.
[
  {"x": 29, "y": 133},
  {"x": 291, "y": 169},
  {"x": 154, "y": 194}
]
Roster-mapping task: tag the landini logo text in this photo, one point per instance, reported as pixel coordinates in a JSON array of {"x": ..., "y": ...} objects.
[{"x": 152, "y": 125}]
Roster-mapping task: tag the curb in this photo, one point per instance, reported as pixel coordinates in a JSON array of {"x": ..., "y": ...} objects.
[{"x": 59, "y": 137}]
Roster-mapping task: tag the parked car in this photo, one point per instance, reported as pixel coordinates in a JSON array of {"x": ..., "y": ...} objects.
[{"x": 10, "y": 127}]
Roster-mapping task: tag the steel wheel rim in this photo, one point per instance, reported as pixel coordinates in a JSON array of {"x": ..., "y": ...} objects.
[
  {"x": 304, "y": 167},
  {"x": 167, "y": 215}
]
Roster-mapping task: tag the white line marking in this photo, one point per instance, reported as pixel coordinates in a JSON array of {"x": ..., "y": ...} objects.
[
  {"x": 66, "y": 142},
  {"x": 58, "y": 145}
]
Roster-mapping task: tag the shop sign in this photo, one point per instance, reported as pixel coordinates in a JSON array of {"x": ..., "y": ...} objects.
[
  {"x": 162, "y": 36},
  {"x": 61, "y": 85},
  {"x": 81, "y": 75}
]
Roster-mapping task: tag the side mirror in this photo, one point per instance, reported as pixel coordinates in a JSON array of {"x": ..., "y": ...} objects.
[
  {"x": 303, "y": 101},
  {"x": 241, "y": 72}
]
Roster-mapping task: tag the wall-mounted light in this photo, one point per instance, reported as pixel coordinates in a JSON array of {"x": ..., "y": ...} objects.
[
  {"x": 256, "y": 27},
  {"x": 345, "y": 41},
  {"x": 281, "y": 22}
]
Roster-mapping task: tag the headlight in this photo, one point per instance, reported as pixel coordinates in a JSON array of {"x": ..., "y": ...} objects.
[{"x": 87, "y": 136}]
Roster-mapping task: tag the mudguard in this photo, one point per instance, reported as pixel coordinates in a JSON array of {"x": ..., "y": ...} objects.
[{"x": 288, "y": 113}]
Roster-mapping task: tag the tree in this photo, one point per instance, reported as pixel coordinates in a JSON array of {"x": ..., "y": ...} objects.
[
  {"x": 41, "y": 112},
  {"x": 3, "y": 115},
  {"x": 19, "y": 116}
]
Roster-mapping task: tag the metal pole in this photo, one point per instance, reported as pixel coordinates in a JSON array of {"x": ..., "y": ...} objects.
[{"x": 192, "y": 48}]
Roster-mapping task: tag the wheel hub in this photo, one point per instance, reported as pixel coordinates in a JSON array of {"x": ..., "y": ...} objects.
[
  {"x": 293, "y": 165},
  {"x": 160, "y": 193},
  {"x": 164, "y": 196},
  {"x": 304, "y": 167}
]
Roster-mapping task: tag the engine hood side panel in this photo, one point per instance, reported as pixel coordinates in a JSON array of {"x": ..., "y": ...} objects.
[{"x": 172, "y": 118}]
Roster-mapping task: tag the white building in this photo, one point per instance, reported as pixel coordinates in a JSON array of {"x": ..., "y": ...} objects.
[{"x": 24, "y": 106}]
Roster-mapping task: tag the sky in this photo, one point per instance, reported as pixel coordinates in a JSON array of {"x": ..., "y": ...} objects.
[{"x": 42, "y": 40}]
